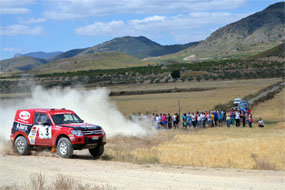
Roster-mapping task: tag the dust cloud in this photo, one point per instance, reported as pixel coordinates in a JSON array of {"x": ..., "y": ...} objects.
[{"x": 93, "y": 106}]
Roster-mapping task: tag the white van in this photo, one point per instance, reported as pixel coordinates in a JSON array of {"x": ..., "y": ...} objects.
[{"x": 237, "y": 101}]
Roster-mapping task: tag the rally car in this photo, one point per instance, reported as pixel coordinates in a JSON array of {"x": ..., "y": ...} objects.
[{"x": 59, "y": 129}]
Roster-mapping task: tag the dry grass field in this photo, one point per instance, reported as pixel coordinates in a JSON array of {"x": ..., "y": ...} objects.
[
  {"x": 189, "y": 101},
  {"x": 256, "y": 148},
  {"x": 222, "y": 147},
  {"x": 272, "y": 110}
]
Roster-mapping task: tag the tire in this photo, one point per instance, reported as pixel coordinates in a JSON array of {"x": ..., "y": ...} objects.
[
  {"x": 64, "y": 148},
  {"x": 97, "y": 151},
  {"x": 21, "y": 146}
]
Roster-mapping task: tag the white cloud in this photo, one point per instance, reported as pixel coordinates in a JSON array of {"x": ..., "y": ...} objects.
[
  {"x": 148, "y": 19},
  {"x": 180, "y": 27},
  {"x": 16, "y": 3},
  {"x": 9, "y": 49},
  {"x": 15, "y": 6},
  {"x": 99, "y": 28},
  {"x": 9, "y": 10},
  {"x": 31, "y": 20},
  {"x": 71, "y": 9},
  {"x": 18, "y": 29}
]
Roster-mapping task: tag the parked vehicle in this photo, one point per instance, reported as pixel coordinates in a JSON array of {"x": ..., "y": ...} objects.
[
  {"x": 243, "y": 104},
  {"x": 237, "y": 101},
  {"x": 59, "y": 129}
]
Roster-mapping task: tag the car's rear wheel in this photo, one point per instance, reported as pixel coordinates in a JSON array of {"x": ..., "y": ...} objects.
[
  {"x": 97, "y": 151},
  {"x": 64, "y": 148},
  {"x": 21, "y": 146}
]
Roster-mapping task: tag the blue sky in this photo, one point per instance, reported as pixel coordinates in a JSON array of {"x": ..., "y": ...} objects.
[{"x": 61, "y": 25}]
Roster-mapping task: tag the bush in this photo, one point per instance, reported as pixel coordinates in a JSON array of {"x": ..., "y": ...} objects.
[{"x": 175, "y": 74}]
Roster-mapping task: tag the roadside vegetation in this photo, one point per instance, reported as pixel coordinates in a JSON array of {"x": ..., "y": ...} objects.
[{"x": 38, "y": 181}]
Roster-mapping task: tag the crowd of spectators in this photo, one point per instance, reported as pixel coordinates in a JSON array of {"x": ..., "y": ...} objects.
[{"x": 232, "y": 117}]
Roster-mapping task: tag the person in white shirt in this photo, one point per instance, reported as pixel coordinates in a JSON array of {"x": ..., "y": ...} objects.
[
  {"x": 199, "y": 120},
  {"x": 203, "y": 117},
  {"x": 237, "y": 117},
  {"x": 157, "y": 119},
  {"x": 260, "y": 123}
]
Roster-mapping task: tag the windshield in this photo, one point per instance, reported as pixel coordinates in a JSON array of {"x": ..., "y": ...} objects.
[{"x": 66, "y": 118}]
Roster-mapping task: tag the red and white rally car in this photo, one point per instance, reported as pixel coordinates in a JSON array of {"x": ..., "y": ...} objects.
[{"x": 59, "y": 129}]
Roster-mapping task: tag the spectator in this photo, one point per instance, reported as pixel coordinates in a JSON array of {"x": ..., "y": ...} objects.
[
  {"x": 133, "y": 117},
  {"x": 215, "y": 117},
  {"x": 220, "y": 118},
  {"x": 228, "y": 119},
  {"x": 193, "y": 118},
  {"x": 199, "y": 120},
  {"x": 209, "y": 119},
  {"x": 140, "y": 117},
  {"x": 232, "y": 113},
  {"x": 158, "y": 120},
  {"x": 242, "y": 117},
  {"x": 184, "y": 120},
  {"x": 250, "y": 120},
  {"x": 163, "y": 120},
  {"x": 237, "y": 118},
  {"x": 203, "y": 117},
  {"x": 178, "y": 119},
  {"x": 169, "y": 121},
  {"x": 260, "y": 123},
  {"x": 189, "y": 121},
  {"x": 175, "y": 121}
]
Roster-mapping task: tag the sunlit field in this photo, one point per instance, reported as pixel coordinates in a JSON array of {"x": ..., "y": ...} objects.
[
  {"x": 189, "y": 101},
  {"x": 272, "y": 110},
  {"x": 256, "y": 148},
  {"x": 222, "y": 147}
]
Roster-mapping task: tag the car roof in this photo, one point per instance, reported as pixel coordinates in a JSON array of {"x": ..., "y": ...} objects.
[{"x": 48, "y": 110}]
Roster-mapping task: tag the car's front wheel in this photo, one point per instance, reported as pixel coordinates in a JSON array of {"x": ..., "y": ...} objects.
[
  {"x": 97, "y": 151},
  {"x": 21, "y": 146},
  {"x": 64, "y": 148}
]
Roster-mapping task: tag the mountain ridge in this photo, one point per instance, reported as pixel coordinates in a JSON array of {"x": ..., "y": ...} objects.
[
  {"x": 265, "y": 27},
  {"x": 140, "y": 47},
  {"x": 40, "y": 54}
]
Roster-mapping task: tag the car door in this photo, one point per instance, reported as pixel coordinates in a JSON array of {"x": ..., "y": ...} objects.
[{"x": 42, "y": 124}]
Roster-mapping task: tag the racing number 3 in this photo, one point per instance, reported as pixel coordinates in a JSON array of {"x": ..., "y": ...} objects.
[{"x": 47, "y": 132}]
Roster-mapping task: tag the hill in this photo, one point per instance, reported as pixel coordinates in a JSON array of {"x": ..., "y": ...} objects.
[
  {"x": 109, "y": 60},
  {"x": 40, "y": 54},
  {"x": 21, "y": 63},
  {"x": 139, "y": 47},
  {"x": 257, "y": 32},
  {"x": 277, "y": 51}
]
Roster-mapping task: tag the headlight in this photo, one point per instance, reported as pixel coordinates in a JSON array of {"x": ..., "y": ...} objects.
[{"x": 77, "y": 132}]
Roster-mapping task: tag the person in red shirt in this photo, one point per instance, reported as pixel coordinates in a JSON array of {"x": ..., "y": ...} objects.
[{"x": 250, "y": 120}]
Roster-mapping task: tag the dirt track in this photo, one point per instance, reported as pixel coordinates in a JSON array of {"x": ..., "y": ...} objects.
[{"x": 17, "y": 169}]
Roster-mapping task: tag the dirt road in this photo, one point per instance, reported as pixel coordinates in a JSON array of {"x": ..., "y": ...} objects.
[{"x": 17, "y": 170}]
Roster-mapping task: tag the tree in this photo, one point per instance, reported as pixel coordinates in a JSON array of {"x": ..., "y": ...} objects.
[{"x": 175, "y": 74}]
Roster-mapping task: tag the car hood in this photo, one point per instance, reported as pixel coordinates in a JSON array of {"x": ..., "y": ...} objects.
[{"x": 81, "y": 126}]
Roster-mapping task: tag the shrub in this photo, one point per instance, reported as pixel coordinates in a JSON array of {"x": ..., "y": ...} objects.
[{"x": 175, "y": 74}]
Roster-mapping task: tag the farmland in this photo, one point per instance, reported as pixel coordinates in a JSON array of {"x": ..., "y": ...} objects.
[{"x": 190, "y": 101}]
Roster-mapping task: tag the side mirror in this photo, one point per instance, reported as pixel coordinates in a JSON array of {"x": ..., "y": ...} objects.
[
  {"x": 47, "y": 124},
  {"x": 82, "y": 121}
]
